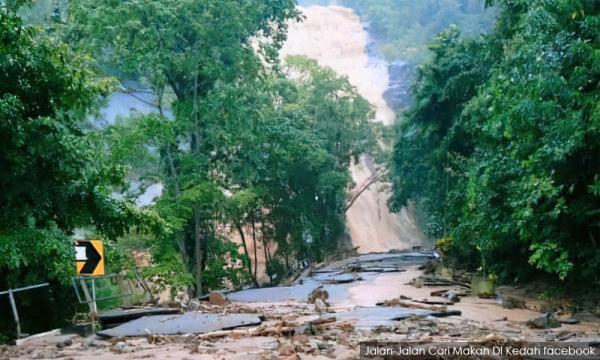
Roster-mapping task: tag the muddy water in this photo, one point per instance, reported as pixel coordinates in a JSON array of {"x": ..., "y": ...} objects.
[{"x": 335, "y": 37}]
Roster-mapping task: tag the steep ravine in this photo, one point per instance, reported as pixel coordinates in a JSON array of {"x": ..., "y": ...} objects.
[{"x": 335, "y": 37}]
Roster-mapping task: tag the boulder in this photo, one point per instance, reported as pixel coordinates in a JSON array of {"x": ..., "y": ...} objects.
[
  {"x": 217, "y": 298},
  {"x": 513, "y": 303},
  {"x": 546, "y": 321}
]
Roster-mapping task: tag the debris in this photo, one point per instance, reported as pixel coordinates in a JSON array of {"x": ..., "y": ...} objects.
[
  {"x": 64, "y": 343},
  {"x": 188, "y": 323},
  {"x": 170, "y": 304},
  {"x": 121, "y": 348},
  {"x": 193, "y": 305},
  {"x": 586, "y": 316},
  {"x": 511, "y": 302},
  {"x": 217, "y": 298},
  {"x": 570, "y": 321},
  {"x": 564, "y": 335},
  {"x": 546, "y": 321},
  {"x": 322, "y": 320},
  {"x": 411, "y": 304},
  {"x": 439, "y": 281},
  {"x": 370, "y": 317},
  {"x": 446, "y": 313},
  {"x": 44, "y": 354},
  {"x": 455, "y": 333},
  {"x": 117, "y": 316},
  {"x": 320, "y": 305},
  {"x": 433, "y": 302},
  {"x": 342, "y": 279},
  {"x": 494, "y": 338},
  {"x": 287, "y": 348}
]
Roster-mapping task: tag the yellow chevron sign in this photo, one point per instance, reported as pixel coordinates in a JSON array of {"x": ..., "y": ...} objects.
[{"x": 89, "y": 257}]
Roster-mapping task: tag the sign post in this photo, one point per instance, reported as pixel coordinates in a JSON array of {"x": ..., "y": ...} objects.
[{"x": 89, "y": 261}]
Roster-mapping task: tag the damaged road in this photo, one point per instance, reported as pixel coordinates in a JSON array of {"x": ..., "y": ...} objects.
[
  {"x": 324, "y": 313},
  {"x": 188, "y": 323}
]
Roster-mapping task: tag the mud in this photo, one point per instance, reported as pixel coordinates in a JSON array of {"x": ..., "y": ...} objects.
[{"x": 275, "y": 327}]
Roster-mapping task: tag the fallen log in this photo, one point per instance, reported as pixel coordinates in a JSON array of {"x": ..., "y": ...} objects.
[
  {"x": 411, "y": 305},
  {"x": 433, "y": 302}
]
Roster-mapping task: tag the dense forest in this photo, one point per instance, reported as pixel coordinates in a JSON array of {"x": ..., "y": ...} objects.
[
  {"x": 501, "y": 146},
  {"x": 402, "y": 28},
  {"x": 244, "y": 146}
]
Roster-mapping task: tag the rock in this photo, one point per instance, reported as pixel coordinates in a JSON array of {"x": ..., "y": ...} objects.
[
  {"x": 513, "y": 303},
  {"x": 303, "y": 329},
  {"x": 64, "y": 343},
  {"x": 193, "y": 305},
  {"x": 289, "y": 357},
  {"x": 546, "y": 321},
  {"x": 402, "y": 330},
  {"x": 121, "y": 348},
  {"x": 217, "y": 298},
  {"x": 301, "y": 338},
  {"x": 287, "y": 348},
  {"x": 320, "y": 305},
  {"x": 493, "y": 338},
  {"x": 43, "y": 354},
  {"x": 318, "y": 293},
  {"x": 452, "y": 295},
  {"x": 564, "y": 335},
  {"x": 93, "y": 342},
  {"x": 170, "y": 304},
  {"x": 586, "y": 316},
  {"x": 455, "y": 333},
  {"x": 570, "y": 321}
]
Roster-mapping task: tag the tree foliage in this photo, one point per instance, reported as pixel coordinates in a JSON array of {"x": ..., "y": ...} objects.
[
  {"x": 402, "y": 28},
  {"x": 506, "y": 128},
  {"x": 248, "y": 150},
  {"x": 53, "y": 174}
]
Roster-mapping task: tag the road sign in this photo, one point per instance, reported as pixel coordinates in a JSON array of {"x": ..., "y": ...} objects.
[{"x": 89, "y": 257}]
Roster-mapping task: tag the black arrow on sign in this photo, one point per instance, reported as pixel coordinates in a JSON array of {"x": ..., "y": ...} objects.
[{"x": 93, "y": 258}]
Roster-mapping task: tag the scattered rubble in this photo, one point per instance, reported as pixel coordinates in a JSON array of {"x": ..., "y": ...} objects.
[
  {"x": 546, "y": 321},
  {"x": 307, "y": 320},
  {"x": 511, "y": 302}
]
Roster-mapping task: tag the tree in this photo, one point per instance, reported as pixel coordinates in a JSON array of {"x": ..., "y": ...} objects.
[
  {"x": 53, "y": 175},
  {"x": 189, "y": 48},
  {"x": 516, "y": 153}
]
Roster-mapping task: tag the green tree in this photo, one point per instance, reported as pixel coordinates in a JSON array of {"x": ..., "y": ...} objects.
[
  {"x": 189, "y": 48},
  {"x": 53, "y": 175},
  {"x": 507, "y": 127}
]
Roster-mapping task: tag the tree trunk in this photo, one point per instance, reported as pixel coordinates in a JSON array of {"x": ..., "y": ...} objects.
[
  {"x": 241, "y": 231},
  {"x": 198, "y": 252},
  {"x": 255, "y": 251}
]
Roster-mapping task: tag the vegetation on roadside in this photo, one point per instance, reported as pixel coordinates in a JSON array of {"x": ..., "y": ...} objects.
[
  {"x": 501, "y": 147},
  {"x": 54, "y": 175}
]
